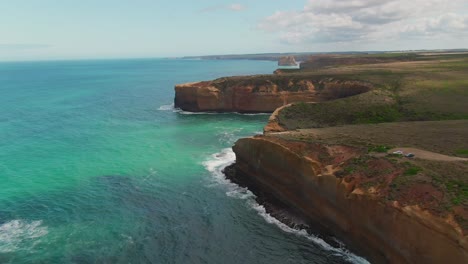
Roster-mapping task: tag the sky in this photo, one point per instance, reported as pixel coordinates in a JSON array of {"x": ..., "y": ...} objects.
[{"x": 72, "y": 29}]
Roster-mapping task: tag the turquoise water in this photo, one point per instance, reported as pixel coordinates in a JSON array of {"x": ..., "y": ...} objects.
[{"x": 96, "y": 167}]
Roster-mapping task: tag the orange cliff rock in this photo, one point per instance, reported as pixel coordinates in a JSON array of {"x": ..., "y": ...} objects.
[
  {"x": 304, "y": 176},
  {"x": 256, "y": 94},
  {"x": 273, "y": 124},
  {"x": 244, "y": 95}
]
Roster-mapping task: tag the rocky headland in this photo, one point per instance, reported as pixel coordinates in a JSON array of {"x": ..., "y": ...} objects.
[
  {"x": 390, "y": 208},
  {"x": 327, "y": 153},
  {"x": 261, "y": 94}
]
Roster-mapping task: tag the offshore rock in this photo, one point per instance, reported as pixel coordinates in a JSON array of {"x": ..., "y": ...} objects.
[{"x": 287, "y": 61}]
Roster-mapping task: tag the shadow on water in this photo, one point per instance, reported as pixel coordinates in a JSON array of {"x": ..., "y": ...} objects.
[
  {"x": 220, "y": 117},
  {"x": 4, "y": 216},
  {"x": 122, "y": 219}
]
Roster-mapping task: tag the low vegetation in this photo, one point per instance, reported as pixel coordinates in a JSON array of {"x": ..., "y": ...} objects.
[
  {"x": 421, "y": 89},
  {"x": 437, "y": 186}
]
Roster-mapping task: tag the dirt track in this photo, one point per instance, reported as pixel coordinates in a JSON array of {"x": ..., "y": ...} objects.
[{"x": 427, "y": 155}]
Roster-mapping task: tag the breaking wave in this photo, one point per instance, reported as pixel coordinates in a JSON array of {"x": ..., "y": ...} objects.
[
  {"x": 16, "y": 232},
  {"x": 216, "y": 164},
  {"x": 171, "y": 107}
]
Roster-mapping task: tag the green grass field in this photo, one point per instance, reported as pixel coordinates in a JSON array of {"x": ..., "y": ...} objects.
[
  {"x": 447, "y": 180},
  {"x": 428, "y": 88},
  {"x": 432, "y": 88}
]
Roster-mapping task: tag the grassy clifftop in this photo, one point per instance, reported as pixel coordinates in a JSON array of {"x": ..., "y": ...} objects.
[
  {"x": 433, "y": 182},
  {"x": 330, "y": 87},
  {"x": 430, "y": 88},
  {"x": 357, "y": 147}
]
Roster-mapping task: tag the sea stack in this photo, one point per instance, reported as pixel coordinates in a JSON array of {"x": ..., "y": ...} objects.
[{"x": 287, "y": 61}]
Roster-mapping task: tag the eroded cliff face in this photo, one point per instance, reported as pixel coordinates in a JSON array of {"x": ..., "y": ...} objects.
[
  {"x": 260, "y": 93},
  {"x": 309, "y": 177},
  {"x": 244, "y": 96},
  {"x": 287, "y": 61}
]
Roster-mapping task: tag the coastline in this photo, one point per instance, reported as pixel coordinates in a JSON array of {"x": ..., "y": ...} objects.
[
  {"x": 382, "y": 230},
  {"x": 278, "y": 209},
  {"x": 332, "y": 183},
  {"x": 294, "y": 219},
  {"x": 273, "y": 211}
]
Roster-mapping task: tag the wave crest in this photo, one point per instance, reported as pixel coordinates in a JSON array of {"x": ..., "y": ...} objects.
[
  {"x": 219, "y": 161},
  {"x": 166, "y": 107},
  {"x": 15, "y": 232},
  {"x": 171, "y": 107}
]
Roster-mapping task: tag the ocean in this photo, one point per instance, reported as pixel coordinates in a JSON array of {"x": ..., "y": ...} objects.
[{"x": 96, "y": 166}]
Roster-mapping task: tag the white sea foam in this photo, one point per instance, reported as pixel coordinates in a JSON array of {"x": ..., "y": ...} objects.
[
  {"x": 254, "y": 114},
  {"x": 218, "y": 162},
  {"x": 228, "y": 137},
  {"x": 218, "y": 113},
  {"x": 341, "y": 251},
  {"x": 15, "y": 232},
  {"x": 215, "y": 165},
  {"x": 169, "y": 107},
  {"x": 182, "y": 112}
]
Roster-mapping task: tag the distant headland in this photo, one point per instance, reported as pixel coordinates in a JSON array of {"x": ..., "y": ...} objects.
[{"x": 303, "y": 56}]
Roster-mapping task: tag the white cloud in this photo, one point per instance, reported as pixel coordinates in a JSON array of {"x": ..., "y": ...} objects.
[{"x": 345, "y": 21}]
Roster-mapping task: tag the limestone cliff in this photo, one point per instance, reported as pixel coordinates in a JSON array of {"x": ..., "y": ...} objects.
[
  {"x": 333, "y": 162},
  {"x": 310, "y": 177},
  {"x": 287, "y": 61},
  {"x": 260, "y": 93}
]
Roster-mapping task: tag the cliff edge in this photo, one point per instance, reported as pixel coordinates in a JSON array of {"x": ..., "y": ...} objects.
[
  {"x": 333, "y": 160},
  {"x": 350, "y": 193},
  {"x": 262, "y": 94},
  {"x": 327, "y": 152}
]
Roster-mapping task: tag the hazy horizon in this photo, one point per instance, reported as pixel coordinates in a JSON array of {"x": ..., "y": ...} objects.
[{"x": 51, "y": 30}]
